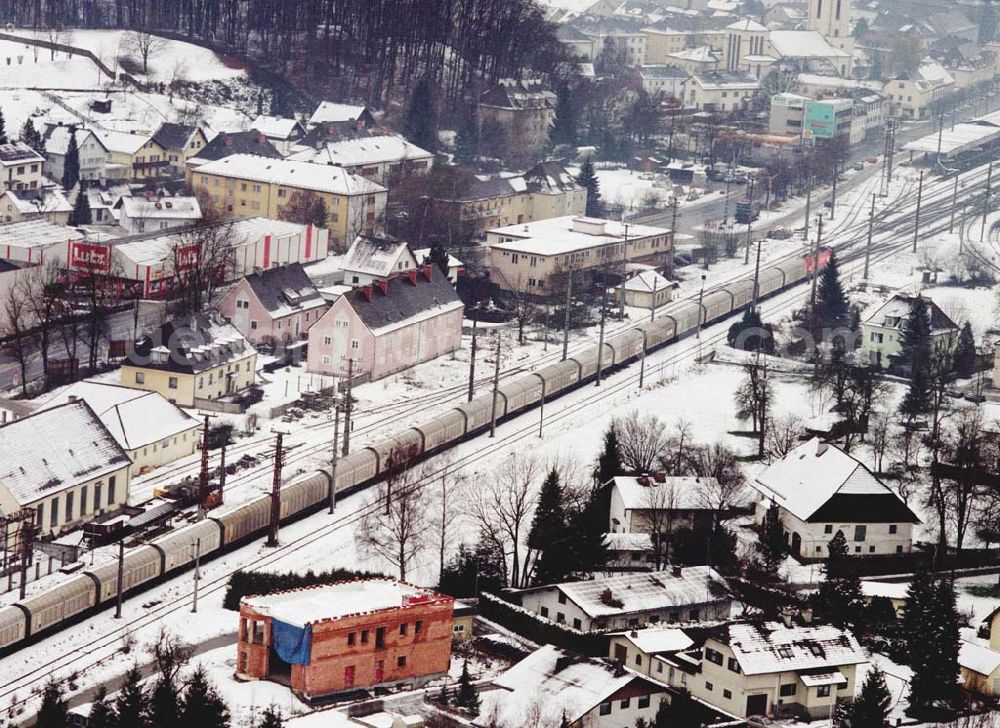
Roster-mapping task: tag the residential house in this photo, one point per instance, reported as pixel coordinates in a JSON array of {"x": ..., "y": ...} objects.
[
  {"x": 20, "y": 167},
  {"x": 724, "y": 91},
  {"x": 456, "y": 268},
  {"x": 524, "y": 109},
  {"x": 64, "y": 464},
  {"x": 979, "y": 669},
  {"x": 193, "y": 359},
  {"x": 662, "y": 43},
  {"x": 12, "y": 409},
  {"x": 700, "y": 59},
  {"x": 388, "y": 326},
  {"x": 883, "y": 332},
  {"x": 919, "y": 96},
  {"x": 628, "y": 551},
  {"x": 227, "y": 144},
  {"x": 819, "y": 490},
  {"x": 647, "y": 651},
  {"x": 346, "y": 636},
  {"x": 245, "y": 185},
  {"x": 526, "y": 257},
  {"x": 774, "y": 669},
  {"x": 277, "y": 305},
  {"x": 383, "y": 159},
  {"x": 48, "y": 203},
  {"x": 133, "y": 156},
  {"x": 146, "y": 214},
  {"x": 648, "y": 289},
  {"x": 644, "y": 503},
  {"x": 329, "y": 111},
  {"x": 554, "y": 686},
  {"x": 372, "y": 259},
  {"x": 665, "y": 82},
  {"x": 152, "y": 431},
  {"x": 180, "y": 142},
  {"x": 102, "y": 203},
  {"x": 894, "y": 591},
  {"x": 691, "y": 594},
  {"x": 579, "y": 44},
  {"x": 463, "y": 619},
  {"x": 283, "y": 133},
  {"x": 92, "y": 152}
]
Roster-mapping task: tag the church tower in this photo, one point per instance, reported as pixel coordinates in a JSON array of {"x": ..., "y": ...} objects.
[{"x": 832, "y": 18}]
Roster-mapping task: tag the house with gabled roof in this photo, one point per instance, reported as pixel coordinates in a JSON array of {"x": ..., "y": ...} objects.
[
  {"x": 383, "y": 158},
  {"x": 884, "y": 331},
  {"x": 774, "y": 669},
  {"x": 820, "y": 489},
  {"x": 93, "y": 153},
  {"x": 227, "y": 143},
  {"x": 20, "y": 167},
  {"x": 328, "y": 111},
  {"x": 180, "y": 142},
  {"x": 639, "y": 501},
  {"x": 63, "y": 463},
  {"x": 689, "y": 594},
  {"x": 524, "y": 108},
  {"x": 139, "y": 214},
  {"x": 648, "y": 650},
  {"x": 388, "y": 325},
  {"x": 278, "y": 305},
  {"x": 372, "y": 258},
  {"x": 282, "y": 132}
]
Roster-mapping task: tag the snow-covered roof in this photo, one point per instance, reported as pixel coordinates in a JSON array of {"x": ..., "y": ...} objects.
[
  {"x": 190, "y": 345},
  {"x": 341, "y": 599},
  {"x": 736, "y": 80},
  {"x": 560, "y": 684},
  {"x": 134, "y": 417},
  {"x": 766, "y": 647},
  {"x": 57, "y": 138},
  {"x": 47, "y": 452},
  {"x": 647, "y": 282},
  {"x": 14, "y": 153},
  {"x": 628, "y": 541},
  {"x": 804, "y": 44},
  {"x": 35, "y": 233},
  {"x": 934, "y": 73},
  {"x": 559, "y": 235},
  {"x": 122, "y": 142},
  {"x": 809, "y": 477},
  {"x": 172, "y": 208},
  {"x": 277, "y": 127},
  {"x": 364, "y": 150},
  {"x": 642, "y": 592},
  {"x": 290, "y": 173},
  {"x": 374, "y": 256},
  {"x": 749, "y": 25},
  {"x": 895, "y": 312},
  {"x": 47, "y": 199},
  {"x": 656, "y": 640},
  {"x": 699, "y": 54},
  {"x": 675, "y": 492},
  {"x": 421, "y": 255},
  {"x": 978, "y": 659},
  {"x": 888, "y": 589},
  {"x": 330, "y": 111}
]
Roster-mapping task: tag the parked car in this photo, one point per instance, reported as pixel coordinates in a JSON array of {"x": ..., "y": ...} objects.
[
  {"x": 872, "y": 160},
  {"x": 859, "y": 166}
]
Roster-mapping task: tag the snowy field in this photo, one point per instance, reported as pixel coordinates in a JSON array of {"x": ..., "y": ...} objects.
[{"x": 24, "y": 66}]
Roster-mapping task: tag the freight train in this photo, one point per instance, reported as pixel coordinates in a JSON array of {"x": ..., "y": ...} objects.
[{"x": 97, "y": 587}]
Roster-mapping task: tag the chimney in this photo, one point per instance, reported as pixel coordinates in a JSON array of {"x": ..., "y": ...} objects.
[
  {"x": 661, "y": 477},
  {"x": 807, "y": 615},
  {"x": 428, "y": 272},
  {"x": 227, "y": 140},
  {"x": 412, "y": 276},
  {"x": 644, "y": 479},
  {"x": 786, "y": 617},
  {"x": 366, "y": 291},
  {"x": 677, "y": 571},
  {"x": 383, "y": 286},
  {"x": 261, "y": 139},
  {"x": 821, "y": 448}
]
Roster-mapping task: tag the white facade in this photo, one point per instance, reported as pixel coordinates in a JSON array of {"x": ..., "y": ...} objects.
[
  {"x": 832, "y": 18},
  {"x": 93, "y": 154}
]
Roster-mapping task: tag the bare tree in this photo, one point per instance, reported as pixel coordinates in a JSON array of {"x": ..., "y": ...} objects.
[
  {"x": 43, "y": 292},
  {"x": 17, "y": 329},
  {"x": 201, "y": 259},
  {"x": 722, "y": 484},
  {"x": 171, "y": 654},
  {"x": 642, "y": 439},
  {"x": 782, "y": 436},
  {"x": 523, "y": 307},
  {"x": 660, "y": 503},
  {"x": 879, "y": 438},
  {"x": 753, "y": 398},
  {"x": 676, "y": 459},
  {"x": 966, "y": 447},
  {"x": 145, "y": 45},
  {"x": 502, "y": 507},
  {"x": 447, "y": 516},
  {"x": 396, "y": 526}
]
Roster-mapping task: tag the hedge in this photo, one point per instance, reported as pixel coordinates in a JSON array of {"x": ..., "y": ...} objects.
[
  {"x": 255, "y": 583},
  {"x": 540, "y": 630}
]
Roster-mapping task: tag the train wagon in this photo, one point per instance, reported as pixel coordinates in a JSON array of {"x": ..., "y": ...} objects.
[
  {"x": 62, "y": 601},
  {"x": 245, "y": 519},
  {"x": 180, "y": 545},
  {"x": 440, "y": 430},
  {"x": 141, "y": 564},
  {"x": 13, "y": 625}
]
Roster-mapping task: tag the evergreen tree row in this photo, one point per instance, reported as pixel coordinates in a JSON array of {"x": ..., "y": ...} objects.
[{"x": 255, "y": 583}]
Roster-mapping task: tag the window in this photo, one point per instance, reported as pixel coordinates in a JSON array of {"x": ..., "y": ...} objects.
[
  {"x": 625, "y": 703},
  {"x": 733, "y": 665},
  {"x": 638, "y": 657},
  {"x": 605, "y": 708},
  {"x": 545, "y": 611},
  {"x": 562, "y": 598},
  {"x": 355, "y": 344},
  {"x": 871, "y": 549},
  {"x": 402, "y": 629},
  {"x": 83, "y": 500},
  {"x": 727, "y": 694},
  {"x": 643, "y": 701},
  {"x": 111, "y": 490},
  {"x": 54, "y": 512},
  {"x": 577, "y": 624},
  {"x": 828, "y": 528},
  {"x": 893, "y": 528},
  {"x": 709, "y": 686},
  {"x": 860, "y": 532},
  {"x": 172, "y": 383},
  {"x": 351, "y": 638},
  {"x": 694, "y": 617},
  {"x": 785, "y": 652},
  {"x": 140, "y": 378},
  {"x": 379, "y": 637},
  {"x": 39, "y": 514},
  {"x": 899, "y": 549},
  {"x": 418, "y": 626},
  {"x": 560, "y": 618},
  {"x": 69, "y": 505},
  {"x": 364, "y": 636},
  {"x": 282, "y": 192},
  {"x": 401, "y": 661},
  {"x": 97, "y": 497},
  {"x": 713, "y": 655},
  {"x": 823, "y": 691},
  {"x": 327, "y": 340},
  {"x": 787, "y": 690}
]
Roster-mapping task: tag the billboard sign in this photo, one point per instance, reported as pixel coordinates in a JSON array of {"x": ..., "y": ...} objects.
[
  {"x": 820, "y": 121},
  {"x": 90, "y": 257}
]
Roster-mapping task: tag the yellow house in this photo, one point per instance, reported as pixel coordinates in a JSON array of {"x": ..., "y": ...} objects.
[
  {"x": 247, "y": 185},
  {"x": 64, "y": 464},
  {"x": 133, "y": 156},
  {"x": 979, "y": 668},
  {"x": 192, "y": 361},
  {"x": 180, "y": 143}
]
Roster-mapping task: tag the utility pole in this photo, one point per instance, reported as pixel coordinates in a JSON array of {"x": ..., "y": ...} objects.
[
  {"x": 621, "y": 288},
  {"x": 746, "y": 252},
  {"x": 756, "y": 275},
  {"x": 272, "y": 534},
  {"x": 541, "y": 411},
  {"x": 197, "y": 574},
  {"x": 222, "y": 473},
  {"x": 940, "y": 135},
  {"x": 642, "y": 361},
  {"x": 652, "y": 308},
  {"x": 27, "y": 545},
  {"x": 916, "y": 220},
  {"x": 888, "y": 156},
  {"x": 833, "y": 198},
  {"x": 121, "y": 578},
  {"x": 496, "y": 389},
  {"x": 986, "y": 201},
  {"x": 569, "y": 299},
  {"x": 333, "y": 456},
  {"x": 203, "y": 473},
  {"x": 954, "y": 204},
  {"x": 348, "y": 408},
  {"x": 600, "y": 340},
  {"x": 669, "y": 271},
  {"x": 871, "y": 230},
  {"x": 701, "y": 295},
  {"x": 472, "y": 361},
  {"x": 809, "y": 196},
  {"x": 815, "y": 267}
]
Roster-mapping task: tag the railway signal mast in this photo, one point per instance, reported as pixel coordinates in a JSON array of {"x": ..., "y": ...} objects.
[{"x": 887, "y": 156}]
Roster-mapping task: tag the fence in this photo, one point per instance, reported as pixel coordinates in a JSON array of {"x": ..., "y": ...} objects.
[
  {"x": 212, "y": 405},
  {"x": 539, "y": 630},
  {"x": 72, "y": 51}
]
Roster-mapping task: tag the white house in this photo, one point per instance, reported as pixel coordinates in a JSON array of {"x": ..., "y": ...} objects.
[
  {"x": 692, "y": 594},
  {"x": 647, "y": 650},
  {"x": 777, "y": 669},
  {"x": 720, "y": 90},
  {"x": 93, "y": 153},
  {"x": 883, "y": 332},
  {"x": 380, "y": 158},
  {"x": 915, "y": 97},
  {"x": 150, "y": 214},
  {"x": 282, "y": 132},
  {"x": 552, "y": 687},
  {"x": 376, "y": 259},
  {"x": 820, "y": 489},
  {"x": 639, "y": 501}
]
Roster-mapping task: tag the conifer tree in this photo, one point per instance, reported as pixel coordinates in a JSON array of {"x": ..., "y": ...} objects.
[
  {"x": 3, "y": 129},
  {"x": 916, "y": 353},
  {"x": 270, "y": 718},
  {"x": 437, "y": 255},
  {"x": 53, "y": 711},
  {"x": 832, "y": 307},
  {"x": 420, "y": 126},
  {"x": 130, "y": 705},
  {"x": 589, "y": 527},
  {"x": 839, "y": 599},
  {"x": 965, "y": 352},
  {"x": 101, "y": 713},
  {"x": 164, "y": 705},
  {"x": 201, "y": 706},
  {"x": 871, "y": 707},
  {"x": 609, "y": 462},
  {"x": 468, "y": 693},
  {"x": 587, "y": 179},
  {"x": 567, "y": 120},
  {"x": 82, "y": 214},
  {"x": 548, "y": 533},
  {"x": 467, "y": 138},
  {"x": 771, "y": 540},
  {"x": 946, "y": 640},
  {"x": 71, "y": 163},
  {"x": 31, "y": 136},
  {"x": 443, "y": 696}
]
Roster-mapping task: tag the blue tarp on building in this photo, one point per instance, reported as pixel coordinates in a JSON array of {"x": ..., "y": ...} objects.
[{"x": 292, "y": 643}]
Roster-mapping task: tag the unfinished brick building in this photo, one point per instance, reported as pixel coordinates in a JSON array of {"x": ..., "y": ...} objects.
[{"x": 340, "y": 637}]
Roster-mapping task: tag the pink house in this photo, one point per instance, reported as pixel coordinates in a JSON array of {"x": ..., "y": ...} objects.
[
  {"x": 278, "y": 305},
  {"x": 388, "y": 326}
]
